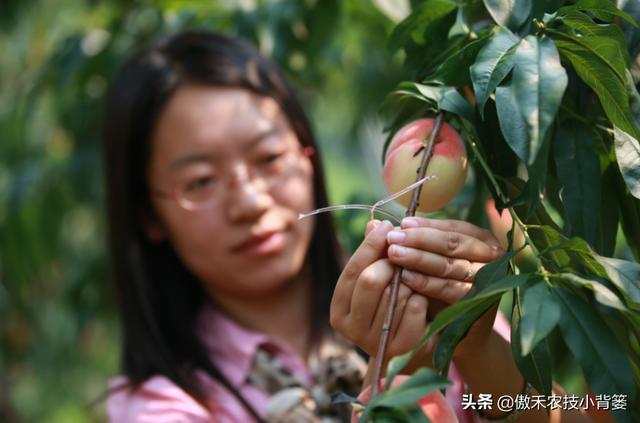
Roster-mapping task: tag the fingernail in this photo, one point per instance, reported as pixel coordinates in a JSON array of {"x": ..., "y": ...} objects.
[
  {"x": 396, "y": 236},
  {"x": 397, "y": 250},
  {"x": 408, "y": 276},
  {"x": 409, "y": 222},
  {"x": 384, "y": 227}
]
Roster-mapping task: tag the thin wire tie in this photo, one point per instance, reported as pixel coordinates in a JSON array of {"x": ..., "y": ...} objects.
[{"x": 372, "y": 209}]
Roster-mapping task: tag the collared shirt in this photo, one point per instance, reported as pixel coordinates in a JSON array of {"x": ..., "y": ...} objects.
[{"x": 232, "y": 348}]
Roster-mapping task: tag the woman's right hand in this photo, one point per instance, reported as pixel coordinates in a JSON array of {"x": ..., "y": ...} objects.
[{"x": 362, "y": 295}]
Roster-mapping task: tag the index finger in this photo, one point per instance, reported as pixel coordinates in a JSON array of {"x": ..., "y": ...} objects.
[
  {"x": 371, "y": 249},
  {"x": 459, "y": 226}
]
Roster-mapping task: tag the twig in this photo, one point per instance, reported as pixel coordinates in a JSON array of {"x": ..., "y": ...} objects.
[{"x": 395, "y": 281}]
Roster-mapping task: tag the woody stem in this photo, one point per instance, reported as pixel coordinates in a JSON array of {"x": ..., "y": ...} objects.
[{"x": 397, "y": 274}]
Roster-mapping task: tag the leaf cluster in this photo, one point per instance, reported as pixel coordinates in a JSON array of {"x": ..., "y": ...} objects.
[{"x": 545, "y": 96}]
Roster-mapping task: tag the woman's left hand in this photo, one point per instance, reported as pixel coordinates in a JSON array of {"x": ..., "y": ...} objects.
[{"x": 441, "y": 258}]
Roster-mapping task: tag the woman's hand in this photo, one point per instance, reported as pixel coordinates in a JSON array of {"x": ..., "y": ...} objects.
[
  {"x": 441, "y": 259},
  {"x": 362, "y": 295}
]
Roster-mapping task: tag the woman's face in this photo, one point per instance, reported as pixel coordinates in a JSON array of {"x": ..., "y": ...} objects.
[{"x": 229, "y": 179}]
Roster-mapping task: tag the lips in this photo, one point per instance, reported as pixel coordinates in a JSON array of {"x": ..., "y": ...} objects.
[{"x": 268, "y": 242}]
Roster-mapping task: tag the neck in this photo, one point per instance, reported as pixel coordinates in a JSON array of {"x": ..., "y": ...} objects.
[{"x": 282, "y": 315}]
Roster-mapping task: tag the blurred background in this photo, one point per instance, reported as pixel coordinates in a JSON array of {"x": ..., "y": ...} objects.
[{"x": 58, "y": 330}]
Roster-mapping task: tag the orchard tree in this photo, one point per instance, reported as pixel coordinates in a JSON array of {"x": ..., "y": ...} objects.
[{"x": 544, "y": 95}]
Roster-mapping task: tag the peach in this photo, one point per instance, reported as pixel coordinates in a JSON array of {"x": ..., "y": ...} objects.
[
  {"x": 448, "y": 164},
  {"x": 500, "y": 225},
  {"x": 434, "y": 405}
]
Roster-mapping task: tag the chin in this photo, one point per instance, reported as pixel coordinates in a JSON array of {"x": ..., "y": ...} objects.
[{"x": 265, "y": 277}]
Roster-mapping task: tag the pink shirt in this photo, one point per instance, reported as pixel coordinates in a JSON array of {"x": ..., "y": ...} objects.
[{"x": 159, "y": 400}]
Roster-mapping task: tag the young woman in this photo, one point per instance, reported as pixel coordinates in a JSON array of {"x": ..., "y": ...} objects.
[{"x": 225, "y": 296}]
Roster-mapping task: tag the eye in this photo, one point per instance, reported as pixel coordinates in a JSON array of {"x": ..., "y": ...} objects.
[
  {"x": 270, "y": 159},
  {"x": 200, "y": 184}
]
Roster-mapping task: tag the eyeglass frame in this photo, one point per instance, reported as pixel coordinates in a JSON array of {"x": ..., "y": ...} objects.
[{"x": 175, "y": 195}]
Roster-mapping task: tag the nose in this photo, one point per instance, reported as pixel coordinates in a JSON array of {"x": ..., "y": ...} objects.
[{"x": 248, "y": 198}]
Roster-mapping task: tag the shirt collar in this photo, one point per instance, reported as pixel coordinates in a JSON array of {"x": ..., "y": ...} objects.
[{"x": 231, "y": 346}]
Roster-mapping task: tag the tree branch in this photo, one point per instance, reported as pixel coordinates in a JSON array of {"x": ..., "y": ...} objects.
[{"x": 395, "y": 281}]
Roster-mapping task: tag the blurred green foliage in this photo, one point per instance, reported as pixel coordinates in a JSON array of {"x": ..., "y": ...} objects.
[{"x": 58, "y": 331}]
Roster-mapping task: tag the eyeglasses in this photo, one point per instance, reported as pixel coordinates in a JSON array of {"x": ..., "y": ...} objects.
[{"x": 206, "y": 192}]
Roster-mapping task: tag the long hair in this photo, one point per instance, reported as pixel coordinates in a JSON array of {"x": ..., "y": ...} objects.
[{"x": 158, "y": 298}]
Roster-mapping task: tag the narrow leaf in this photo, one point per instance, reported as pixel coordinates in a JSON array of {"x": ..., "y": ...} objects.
[
  {"x": 540, "y": 313},
  {"x": 630, "y": 216},
  {"x": 536, "y": 367},
  {"x": 414, "y": 26},
  {"x": 609, "y": 216},
  {"x": 628, "y": 155},
  {"x": 601, "y": 292},
  {"x": 493, "y": 64},
  {"x": 512, "y": 124},
  {"x": 422, "y": 382},
  {"x": 597, "y": 73},
  {"x": 509, "y": 13},
  {"x": 596, "y": 349},
  {"x": 578, "y": 168},
  {"x": 384, "y": 414},
  {"x": 457, "y": 330},
  {"x": 448, "y": 99},
  {"x": 605, "y": 10},
  {"x": 454, "y": 71},
  {"x": 625, "y": 275},
  {"x": 539, "y": 82},
  {"x": 607, "y": 41},
  {"x": 490, "y": 283}
]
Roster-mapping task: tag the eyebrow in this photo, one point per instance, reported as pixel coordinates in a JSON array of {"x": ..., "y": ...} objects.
[{"x": 191, "y": 158}]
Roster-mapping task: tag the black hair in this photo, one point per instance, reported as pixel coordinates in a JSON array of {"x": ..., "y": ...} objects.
[{"x": 158, "y": 298}]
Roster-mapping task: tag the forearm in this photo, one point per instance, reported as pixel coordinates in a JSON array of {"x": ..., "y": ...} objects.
[{"x": 490, "y": 369}]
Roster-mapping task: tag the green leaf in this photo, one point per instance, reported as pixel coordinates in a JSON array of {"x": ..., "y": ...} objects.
[
  {"x": 460, "y": 27},
  {"x": 457, "y": 330},
  {"x": 598, "y": 74},
  {"x": 625, "y": 275},
  {"x": 605, "y": 10},
  {"x": 454, "y": 71},
  {"x": 422, "y": 382},
  {"x": 493, "y": 64},
  {"x": 539, "y": 82},
  {"x": 512, "y": 124},
  {"x": 606, "y": 40},
  {"x": 630, "y": 215},
  {"x": 601, "y": 292},
  {"x": 490, "y": 283},
  {"x": 447, "y": 98},
  {"x": 565, "y": 255},
  {"x": 538, "y": 171},
  {"x": 596, "y": 349},
  {"x": 509, "y": 13},
  {"x": 541, "y": 7},
  {"x": 390, "y": 415},
  {"x": 609, "y": 217},
  {"x": 582, "y": 257},
  {"x": 540, "y": 216},
  {"x": 539, "y": 314},
  {"x": 634, "y": 97},
  {"x": 628, "y": 155},
  {"x": 416, "y": 25},
  {"x": 536, "y": 367},
  {"x": 578, "y": 168}
]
